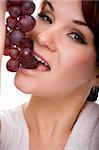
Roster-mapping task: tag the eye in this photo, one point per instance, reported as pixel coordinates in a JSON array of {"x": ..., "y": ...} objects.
[
  {"x": 45, "y": 17},
  {"x": 77, "y": 37}
]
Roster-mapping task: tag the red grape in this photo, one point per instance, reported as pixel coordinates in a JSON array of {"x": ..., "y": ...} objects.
[
  {"x": 17, "y": 44},
  {"x": 27, "y": 59},
  {"x": 13, "y": 65},
  {"x": 7, "y": 42},
  {"x": 26, "y": 43},
  {"x": 16, "y": 36},
  {"x": 15, "y": 2},
  {"x": 30, "y": 64},
  {"x": 26, "y": 53},
  {"x": 26, "y": 23},
  {"x": 13, "y": 52},
  {"x": 12, "y": 22},
  {"x": 28, "y": 7},
  {"x": 14, "y": 11}
]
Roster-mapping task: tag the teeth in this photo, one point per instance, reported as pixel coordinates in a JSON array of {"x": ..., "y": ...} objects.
[
  {"x": 39, "y": 59},
  {"x": 46, "y": 64}
]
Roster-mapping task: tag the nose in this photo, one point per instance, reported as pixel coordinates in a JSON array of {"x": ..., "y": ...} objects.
[{"x": 48, "y": 38}]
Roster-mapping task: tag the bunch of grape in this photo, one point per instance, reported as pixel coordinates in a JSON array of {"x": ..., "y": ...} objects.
[{"x": 17, "y": 44}]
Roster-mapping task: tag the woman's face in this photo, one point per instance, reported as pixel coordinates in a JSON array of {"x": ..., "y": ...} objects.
[
  {"x": 2, "y": 26},
  {"x": 63, "y": 39}
]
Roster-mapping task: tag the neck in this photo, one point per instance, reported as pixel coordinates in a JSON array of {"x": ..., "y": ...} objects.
[{"x": 50, "y": 120}]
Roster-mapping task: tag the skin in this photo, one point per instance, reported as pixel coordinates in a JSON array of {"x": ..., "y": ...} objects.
[
  {"x": 58, "y": 95},
  {"x": 2, "y": 27}
]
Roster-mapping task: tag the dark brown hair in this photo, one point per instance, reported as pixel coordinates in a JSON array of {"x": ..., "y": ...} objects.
[{"x": 90, "y": 10}]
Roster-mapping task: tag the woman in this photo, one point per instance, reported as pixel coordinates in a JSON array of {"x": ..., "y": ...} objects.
[
  {"x": 2, "y": 27},
  {"x": 58, "y": 115}
]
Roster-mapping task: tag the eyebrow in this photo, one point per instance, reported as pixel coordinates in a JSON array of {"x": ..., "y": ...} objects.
[
  {"x": 46, "y": 2},
  {"x": 79, "y": 22}
]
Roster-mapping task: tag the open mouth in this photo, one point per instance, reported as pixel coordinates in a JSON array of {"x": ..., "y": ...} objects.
[
  {"x": 42, "y": 64},
  {"x": 34, "y": 61}
]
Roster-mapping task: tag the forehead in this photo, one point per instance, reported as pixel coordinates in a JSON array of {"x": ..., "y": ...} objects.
[
  {"x": 72, "y": 8},
  {"x": 63, "y": 2}
]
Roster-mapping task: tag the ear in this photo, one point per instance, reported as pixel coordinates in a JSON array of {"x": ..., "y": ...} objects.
[{"x": 97, "y": 74}]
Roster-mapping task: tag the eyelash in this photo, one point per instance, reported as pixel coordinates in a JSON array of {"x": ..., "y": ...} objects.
[
  {"x": 43, "y": 15},
  {"x": 79, "y": 38}
]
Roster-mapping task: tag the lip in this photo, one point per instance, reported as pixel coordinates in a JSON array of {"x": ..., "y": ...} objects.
[
  {"x": 31, "y": 72},
  {"x": 35, "y": 53}
]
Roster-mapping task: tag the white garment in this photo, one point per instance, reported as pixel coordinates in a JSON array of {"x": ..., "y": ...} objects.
[
  {"x": 85, "y": 133},
  {"x": 14, "y": 131},
  {"x": 84, "y": 136}
]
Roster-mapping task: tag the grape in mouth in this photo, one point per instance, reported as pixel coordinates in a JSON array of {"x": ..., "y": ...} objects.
[{"x": 28, "y": 60}]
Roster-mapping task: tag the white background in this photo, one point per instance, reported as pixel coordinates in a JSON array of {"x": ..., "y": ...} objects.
[{"x": 10, "y": 96}]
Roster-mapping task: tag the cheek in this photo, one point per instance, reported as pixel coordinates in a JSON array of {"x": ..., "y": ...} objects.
[
  {"x": 86, "y": 64},
  {"x": 80, "y": 66}
]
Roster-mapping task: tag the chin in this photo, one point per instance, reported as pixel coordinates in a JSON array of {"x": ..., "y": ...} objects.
[
  {"x": 27, "y": 84},
  {"x": 22, "y": 83},
  {"x": 21, "y": 87}
]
